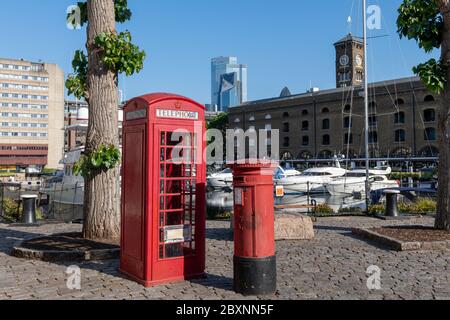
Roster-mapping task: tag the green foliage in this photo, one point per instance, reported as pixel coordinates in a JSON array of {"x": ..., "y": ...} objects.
[
  {"x": 354, "y": 210},
  {"x": 76, "y": 83},
  {"x": 422, "y": 21},
  {"x": 12, "y": 212},
  {"x": 119, "y": 54},
  {"x": 219, "y": 122},
  {"x": 105, "y": 158},
  {"x": 324, "y": 209},
  {"x": 433, "y": 74},
  {"x": 421, "y": 205},
  {"x": 375, "y": 209},
  {"x": 122, "y": 12}
]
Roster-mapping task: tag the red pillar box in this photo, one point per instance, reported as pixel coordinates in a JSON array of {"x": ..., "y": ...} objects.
[
  {"x": 254, "y": 235},
  {"x": 163, "y": 189}
]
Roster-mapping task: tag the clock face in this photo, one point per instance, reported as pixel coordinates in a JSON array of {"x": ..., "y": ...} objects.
[
  {"x": 359, "y": 60},
  {"x": 344, "y": 60}
]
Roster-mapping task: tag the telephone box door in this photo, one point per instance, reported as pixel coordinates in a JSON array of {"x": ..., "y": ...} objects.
[{"x": 178, "y": 225}]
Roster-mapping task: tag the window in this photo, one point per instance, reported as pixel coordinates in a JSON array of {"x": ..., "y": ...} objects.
[
  {"x": 430, "y": 134},
  {"x": 429, "y": 115},
  {"x": 304, "y": 112},
  {"x": 347, "y": 122},
  {"x": 348, "y": 138},
  {"x": 305, "y": 125},
  {"x": 305, "y": 141},
  {"x": 326, "y": 124},
  {"x": 251, "y": 119},
  {"x": 399, "y": 102},
  {"x": 400, "y": 135},
  {"x": 372, "y": 120},
  {"x": 429, "y": 98},
  {"x": 326, "y": 140},
  {"x": 286, "y": 142},
  {"x": 286, "y": 115},
  {"x": 286, "y": 127},
  {"x": 347, "y": 108},
  {"x": 373, "y": 105},
  {"x": 399, "y": 117},
  {"x": 268, "y": 117},
  {"x": 325, "y": 110},
  {"x": 373, "y": 137}
]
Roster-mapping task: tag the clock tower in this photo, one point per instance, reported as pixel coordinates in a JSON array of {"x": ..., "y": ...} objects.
[{"x": 349, "y": 62}]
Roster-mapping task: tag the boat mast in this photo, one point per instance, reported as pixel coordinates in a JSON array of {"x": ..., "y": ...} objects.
[{"x": 366, "y": 103}]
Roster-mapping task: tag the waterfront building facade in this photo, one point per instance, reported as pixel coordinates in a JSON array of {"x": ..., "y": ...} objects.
[{"x": 322, "y": 123}]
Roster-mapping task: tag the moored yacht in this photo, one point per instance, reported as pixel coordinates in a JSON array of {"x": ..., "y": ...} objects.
[
  {"x": 355, "y": 181},
  {"x": 311, "y": 180}
]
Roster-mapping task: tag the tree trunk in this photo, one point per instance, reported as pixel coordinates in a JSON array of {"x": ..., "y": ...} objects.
[
  {"x": 443, "y": 206},
  {"x": 102, "y": 190}
]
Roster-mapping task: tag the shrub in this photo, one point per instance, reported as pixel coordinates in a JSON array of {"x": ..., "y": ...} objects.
[
  {"x": 350, "y": 210},
  {"x": 10, "y": 210},
  {"x": 376, "y": 209},
  {"x": 423, "y": 205},
  {"x": 324, "y": 208}
]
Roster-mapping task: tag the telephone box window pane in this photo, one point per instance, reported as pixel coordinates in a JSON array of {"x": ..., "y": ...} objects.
[
  {"x": 174, "y": 250},
  {"x": 174, "y": 219},
  {"x": 174, "y": 171},
  {"x": 161, "y": 187},
  {"x": 174, "y": 203},
  {"x": 173, "y": 186},
  {"x": 162, "y": 156},
  {"x": 161, "y": 252},
  {"x": 161, "y": 220},
  {"x": 187, "y": 171},
  {"x": 163, "y": 138},
  {"x": 161, "y": 235}
]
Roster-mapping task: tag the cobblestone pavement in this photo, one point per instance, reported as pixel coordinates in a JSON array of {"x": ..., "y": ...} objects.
[{"x": 332, "y": 266}]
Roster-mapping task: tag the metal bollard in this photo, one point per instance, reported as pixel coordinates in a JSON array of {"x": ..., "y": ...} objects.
[
  {"x": 29, "y": 208},
  {"x": 391, "y": 203}
]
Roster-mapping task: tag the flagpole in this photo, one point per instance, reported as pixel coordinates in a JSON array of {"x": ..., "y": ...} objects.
[{"x": 366, "y": 104}]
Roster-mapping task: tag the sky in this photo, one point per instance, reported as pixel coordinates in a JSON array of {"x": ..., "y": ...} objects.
[{"x": 283, "y": 42}]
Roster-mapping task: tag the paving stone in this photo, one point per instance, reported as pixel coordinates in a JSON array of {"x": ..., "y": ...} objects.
[{"x": 331, "y": 266}]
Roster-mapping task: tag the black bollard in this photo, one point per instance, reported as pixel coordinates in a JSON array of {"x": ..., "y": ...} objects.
[
  {"x": 29, "y": 209},
  {"x": 391, "y": 203}
]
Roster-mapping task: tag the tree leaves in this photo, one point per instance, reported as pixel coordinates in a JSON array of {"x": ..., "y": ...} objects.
[
  {"x": 105, "y": 158},
  {"x": 119, "y": 54},
  {"x": 433, "y": 74},
  {"x": 421, "y": 20},
  {"x": 76, "y": 83}
]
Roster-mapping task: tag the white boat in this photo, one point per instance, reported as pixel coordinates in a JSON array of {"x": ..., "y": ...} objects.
[
  {"x": 221, "y": 179},
  {"x": 312, "y": 180},
  {"x": 71, "y": 189},
  {"x": 355, "y": 181},
  {"x": 224, "y": 179}
]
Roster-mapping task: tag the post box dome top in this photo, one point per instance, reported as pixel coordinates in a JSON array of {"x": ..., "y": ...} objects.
[
  {"x": 252, "y": 163},
  {"x": 152, "y": 98}
]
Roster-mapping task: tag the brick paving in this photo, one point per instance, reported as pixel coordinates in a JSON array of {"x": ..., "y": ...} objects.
[{"x": 332, "y": 266}]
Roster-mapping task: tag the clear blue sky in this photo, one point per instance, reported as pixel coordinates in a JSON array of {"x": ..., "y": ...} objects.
[{"x": 283, "y": 42}]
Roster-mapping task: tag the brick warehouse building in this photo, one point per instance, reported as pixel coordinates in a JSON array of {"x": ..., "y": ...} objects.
[{"x": 320, "y": 124}]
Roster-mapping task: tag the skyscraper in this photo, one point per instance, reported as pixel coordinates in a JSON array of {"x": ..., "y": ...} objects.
[{"x": 228, "y": 83}]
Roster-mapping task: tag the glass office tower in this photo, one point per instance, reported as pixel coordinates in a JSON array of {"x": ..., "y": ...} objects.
[{"x": 228, "y": 83}]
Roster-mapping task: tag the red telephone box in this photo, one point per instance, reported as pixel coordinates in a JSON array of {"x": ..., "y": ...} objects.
[{"x": 163, "y": 189}]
